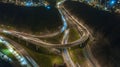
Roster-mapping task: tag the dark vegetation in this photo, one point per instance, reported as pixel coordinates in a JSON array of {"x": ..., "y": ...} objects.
[
  {"x": 31, "y": 18},
  {"x": 4, "y": 64},
  {"x": 106, "y": 28}
]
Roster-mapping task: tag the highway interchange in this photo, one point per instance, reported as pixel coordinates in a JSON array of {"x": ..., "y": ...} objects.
[{"x": 67, "y": 18}]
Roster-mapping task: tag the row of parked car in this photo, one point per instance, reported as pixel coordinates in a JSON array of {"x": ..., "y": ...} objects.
[{"x": 4, "y": 57}]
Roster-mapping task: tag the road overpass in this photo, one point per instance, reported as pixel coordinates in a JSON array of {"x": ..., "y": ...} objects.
[{"x": 65, "y": 14}]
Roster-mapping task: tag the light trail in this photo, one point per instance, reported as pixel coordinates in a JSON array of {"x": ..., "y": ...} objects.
[
  {"x": 20, "y": 54},
  {"x": 65, "y": 53}
]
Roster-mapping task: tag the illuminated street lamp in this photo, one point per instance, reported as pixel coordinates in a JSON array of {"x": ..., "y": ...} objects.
[
  {"x": 111, "y": 3},
  {"x": 29, "y": 3}
]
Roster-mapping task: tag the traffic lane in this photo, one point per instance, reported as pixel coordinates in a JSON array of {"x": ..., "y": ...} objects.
[
  {"x": 65, "y": 53},
  {"x": 22, "y": 52},
  {"x": 22, "y": 61},
  {"x": 39, "y": 42}
]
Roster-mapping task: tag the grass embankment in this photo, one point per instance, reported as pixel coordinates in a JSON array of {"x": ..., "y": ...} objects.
[
  {"x": 42, "y": 56},
  {"x": 76, "y": 52},
  {"x": 104, "y": 49},
  {"x": 73, "y": 35},
  {"x": 7, "y": 52},
  {"x": 77, "y": 55},
  {"x": 44, "y": 60}
]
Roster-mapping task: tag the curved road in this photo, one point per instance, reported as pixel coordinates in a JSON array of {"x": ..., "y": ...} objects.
[
  {"x": 21, "y": 55},
  {"x": 66, "y": 18},
  {"x": 38, "y": 42}
]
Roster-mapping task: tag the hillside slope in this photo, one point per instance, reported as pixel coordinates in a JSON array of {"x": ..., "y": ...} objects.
[{"x": 106, "y": 30}]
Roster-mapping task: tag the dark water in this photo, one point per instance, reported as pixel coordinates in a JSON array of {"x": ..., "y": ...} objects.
[
  {"x": 108, "y": 24},
  {"x": 33, "y": 18}
]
